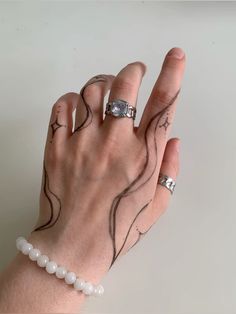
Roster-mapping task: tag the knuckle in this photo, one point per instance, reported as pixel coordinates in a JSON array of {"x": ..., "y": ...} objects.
[
  {"x": 163, "y": 96},
  {"x": 69, "y": 95},
  {"x": 90, "y": 91},
  {"x": 65, "y": 100},
  {"x": 123, "y": 84},
  {"x": 55, "y": 107}
]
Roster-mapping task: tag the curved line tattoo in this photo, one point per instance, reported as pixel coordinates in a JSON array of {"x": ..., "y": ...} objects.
[
  {"x": 135, "y": 185},
  {"x": 55, "y": 126},
  {"x": 127, "y": 235},
  {"x": 89, "y": 114},
  {"x": 56, "y": 203},
  {"x": 131, "y": 188},
  {"x": 140, "y": 235}
]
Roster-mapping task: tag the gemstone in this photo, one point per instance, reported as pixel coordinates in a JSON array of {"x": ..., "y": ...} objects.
[{"x": 119, "y": 108}]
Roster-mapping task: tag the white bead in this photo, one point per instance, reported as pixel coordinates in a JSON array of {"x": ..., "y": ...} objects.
[
  {"x": 88, "y": 288},
  {"x": 61, "y": 272},
  {"x": 34, "y": 254},
  {"x": 19, "y": 242},
  {"x": 51, "y": 267},
  {"x": 19, "y": 239},
  {"x": 98, "y": 291},
  {"x": 70, "y": 278},
  {"x": 26, "y": 248},
  {"x": 79, "y": 284},
  {"x": 42, "y": 260}
]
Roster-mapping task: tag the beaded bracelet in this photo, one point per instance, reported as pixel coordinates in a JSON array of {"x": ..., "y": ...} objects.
[{"x": 51, "y": 267}]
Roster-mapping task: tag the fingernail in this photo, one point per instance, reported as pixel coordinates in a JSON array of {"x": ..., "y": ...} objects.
[
  {"x": 177, "y": 143},
  {"x": 176, "y": 53}
]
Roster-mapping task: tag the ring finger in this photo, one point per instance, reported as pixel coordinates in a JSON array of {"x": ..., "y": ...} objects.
[{"x": 165, "y": 90}]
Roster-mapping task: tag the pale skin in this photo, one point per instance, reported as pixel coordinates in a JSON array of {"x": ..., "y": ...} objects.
[{"x": 99, "y": 190}]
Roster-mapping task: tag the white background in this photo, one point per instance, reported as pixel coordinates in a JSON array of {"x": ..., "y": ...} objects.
[{"x": 186, "y": 264}]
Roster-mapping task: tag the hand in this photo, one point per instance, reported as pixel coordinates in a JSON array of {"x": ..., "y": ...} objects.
[{"x": 99, "y": 191}]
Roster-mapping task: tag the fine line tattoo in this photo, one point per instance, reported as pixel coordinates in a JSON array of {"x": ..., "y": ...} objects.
[
  {"x": 53, "y": 200},
  {"x": 138, "y": 182},
  {"x": 55, "y": 126},
  {"x": 140, "y": 235},
  {"x": 89, "y": 114},
  {"x": 135, "y": 185},
  {"x": 165, "y": 124}
]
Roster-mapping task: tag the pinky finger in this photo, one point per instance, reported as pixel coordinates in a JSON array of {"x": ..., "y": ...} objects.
[{"x": 169, "y": 167}]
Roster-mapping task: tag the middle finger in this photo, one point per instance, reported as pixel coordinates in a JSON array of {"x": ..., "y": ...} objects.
[{"x": 125, "y": 87}]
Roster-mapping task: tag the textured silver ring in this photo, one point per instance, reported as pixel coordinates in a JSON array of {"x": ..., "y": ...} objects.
[
  {"x": 167, "y": 182},
  {"x": 120, "y": 108}
]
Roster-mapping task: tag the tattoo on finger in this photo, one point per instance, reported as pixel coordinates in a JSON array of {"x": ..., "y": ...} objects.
[
  {"x": 89, "y": 113},
  {"x": 156, "y": 121},
  {"x": 165, "y": 124},
  {"x": 138, "y": 182}
]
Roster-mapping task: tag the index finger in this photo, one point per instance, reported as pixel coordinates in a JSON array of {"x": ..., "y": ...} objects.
[{"x": 165, "y": 91}]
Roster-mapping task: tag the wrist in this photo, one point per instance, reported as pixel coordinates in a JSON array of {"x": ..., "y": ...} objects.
[
  {"x": 34, "y": 284},
  {"x": 82, "y": 257},
  {"x": 24, "y": 273}
]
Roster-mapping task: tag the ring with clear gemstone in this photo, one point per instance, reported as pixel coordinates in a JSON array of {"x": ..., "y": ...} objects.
[{"x": 120, "y": 108}]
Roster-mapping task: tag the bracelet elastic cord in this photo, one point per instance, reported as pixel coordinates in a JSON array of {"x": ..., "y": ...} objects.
[{"x": 51, "y": 267}]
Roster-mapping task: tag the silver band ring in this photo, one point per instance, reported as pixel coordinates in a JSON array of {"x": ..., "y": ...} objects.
[
  {"x": 167, "y": 182},
  {"x": 120, "y": 108}
]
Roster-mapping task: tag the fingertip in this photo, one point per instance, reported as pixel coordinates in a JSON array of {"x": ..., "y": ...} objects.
[
  {"x": 142, "y": 65},
  {"x": 176, "y": 144},
  {"x": 176, "y": 53},
  {"x": 173, "y": 145}
]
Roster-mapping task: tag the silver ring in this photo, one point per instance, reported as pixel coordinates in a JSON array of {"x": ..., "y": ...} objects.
[
  {"x": 120, "y": 108},
  {"x": 167, "y": 182}
]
